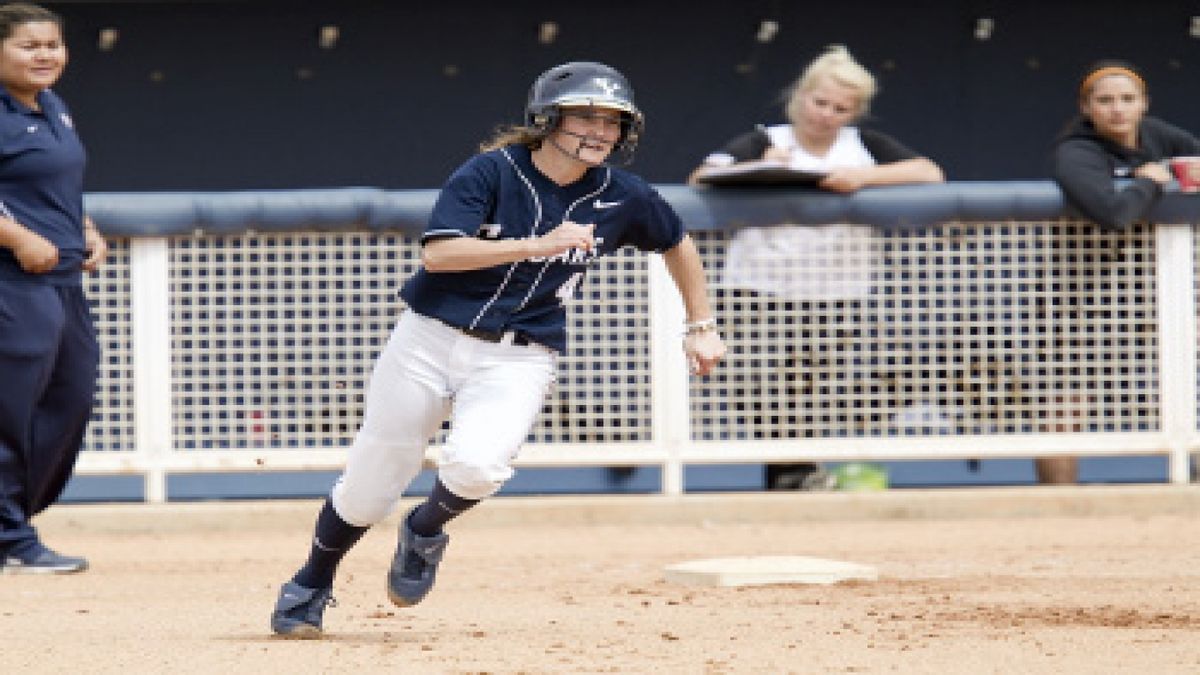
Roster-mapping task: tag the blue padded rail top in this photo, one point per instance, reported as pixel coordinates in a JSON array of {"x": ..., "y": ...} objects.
[{"x": 358, "y": 208}]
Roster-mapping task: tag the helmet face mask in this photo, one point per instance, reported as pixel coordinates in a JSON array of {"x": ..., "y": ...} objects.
[{"x": 585, "y": 84}]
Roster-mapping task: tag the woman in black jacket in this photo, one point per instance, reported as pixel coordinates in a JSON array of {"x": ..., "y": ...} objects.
[{"x": 1113, "y": 138}]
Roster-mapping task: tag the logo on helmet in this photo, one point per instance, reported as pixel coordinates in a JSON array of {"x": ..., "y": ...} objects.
[{"x": 608, "y": 86}]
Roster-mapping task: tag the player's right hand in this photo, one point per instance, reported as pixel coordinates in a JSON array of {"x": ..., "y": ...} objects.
[
  {"x": 566, "y": 236},
  {"x": 34, "y": 252}
]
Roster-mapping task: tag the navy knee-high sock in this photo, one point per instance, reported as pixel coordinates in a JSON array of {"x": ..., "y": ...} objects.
[
  {"x": 332, "y": 539},
  {"x": 441, "y": 507}
]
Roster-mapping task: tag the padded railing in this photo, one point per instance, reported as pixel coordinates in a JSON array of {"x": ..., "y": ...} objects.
[{"x": 172, "y": 213}]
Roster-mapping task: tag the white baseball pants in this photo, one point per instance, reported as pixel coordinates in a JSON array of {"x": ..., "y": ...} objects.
[{"x": 492, "y": 392}]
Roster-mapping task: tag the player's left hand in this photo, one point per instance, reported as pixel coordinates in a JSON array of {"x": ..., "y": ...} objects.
[
  {"x": 566, "y": 236},
  {"x": 94, "y": 244},
  {"x": 703, "y": 351}
]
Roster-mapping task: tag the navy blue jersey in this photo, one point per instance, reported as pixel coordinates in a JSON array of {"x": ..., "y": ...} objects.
[
  {"x": 501, "y": 195},
  {"x": 41, "y": 180}
]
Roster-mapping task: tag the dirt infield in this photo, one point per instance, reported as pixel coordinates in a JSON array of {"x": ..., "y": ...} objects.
[{"x": 1078, "y": 580}]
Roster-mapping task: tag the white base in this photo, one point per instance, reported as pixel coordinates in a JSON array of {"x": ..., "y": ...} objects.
[{"x": 764, "y": 570}]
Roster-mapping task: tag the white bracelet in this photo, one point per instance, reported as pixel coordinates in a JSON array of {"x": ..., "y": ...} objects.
[{"x": 701, "y": 326}]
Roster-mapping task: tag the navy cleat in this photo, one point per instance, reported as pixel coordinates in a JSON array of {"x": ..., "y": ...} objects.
[
  {"x": 299, "y": 611},
  {"x": 41, "y": 560},
  {"x": 415, "y": 565}
]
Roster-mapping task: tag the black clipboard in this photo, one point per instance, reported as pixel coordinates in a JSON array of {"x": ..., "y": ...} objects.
[{"x": 759, "y": 172}]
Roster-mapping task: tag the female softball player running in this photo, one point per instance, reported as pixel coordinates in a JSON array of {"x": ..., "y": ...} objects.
[{"x": 511, "y": 235}]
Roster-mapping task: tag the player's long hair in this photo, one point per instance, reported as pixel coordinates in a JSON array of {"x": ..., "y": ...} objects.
[{"x": 514, "y": 134}]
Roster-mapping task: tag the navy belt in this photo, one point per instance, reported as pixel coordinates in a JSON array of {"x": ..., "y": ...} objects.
[{"x": 511, "y": 337}]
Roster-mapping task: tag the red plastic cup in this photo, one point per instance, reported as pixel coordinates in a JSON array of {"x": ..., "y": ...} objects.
[{"x": 1187, "y": 172}]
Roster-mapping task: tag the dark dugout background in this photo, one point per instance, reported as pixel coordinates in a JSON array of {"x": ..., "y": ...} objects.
[{"x": 239, "y": 95}]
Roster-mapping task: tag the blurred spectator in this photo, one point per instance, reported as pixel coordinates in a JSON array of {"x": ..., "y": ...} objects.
[
  {"x": 813, "y": 276},
  {"x": 1112, "y": 137}
]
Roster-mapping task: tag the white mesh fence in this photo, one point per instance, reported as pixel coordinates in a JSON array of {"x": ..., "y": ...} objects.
[
  {"x": 1034, "y": 329},
  {"x": 112, "y": 425},
  {"x": 603, "y": 393},
  {"x": 996, "y": 329}
]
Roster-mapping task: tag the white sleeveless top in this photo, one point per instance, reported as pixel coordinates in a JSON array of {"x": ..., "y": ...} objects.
[{"x": 807, "y": 262}]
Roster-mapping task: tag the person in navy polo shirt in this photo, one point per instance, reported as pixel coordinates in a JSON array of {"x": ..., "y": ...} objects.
[
  {"x": 49, "y": 356},
  {"x": 511, "y": 236}
]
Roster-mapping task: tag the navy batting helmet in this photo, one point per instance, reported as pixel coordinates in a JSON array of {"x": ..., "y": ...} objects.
[{"x": 584, "y": 83}]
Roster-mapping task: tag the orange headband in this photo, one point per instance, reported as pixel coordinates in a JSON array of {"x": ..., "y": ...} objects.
[{"x": 1105, "y": 72}]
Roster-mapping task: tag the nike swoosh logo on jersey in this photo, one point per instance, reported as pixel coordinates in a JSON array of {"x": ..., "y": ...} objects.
[{"x": 606, "y": 205}]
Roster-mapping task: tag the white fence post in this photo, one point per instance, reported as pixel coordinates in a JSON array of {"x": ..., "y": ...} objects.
[
  {"x": 669, "y": 372},
  {"x": 151, "y": 333},
  {"x": 1177, "y": 344}
]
